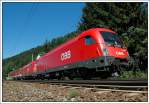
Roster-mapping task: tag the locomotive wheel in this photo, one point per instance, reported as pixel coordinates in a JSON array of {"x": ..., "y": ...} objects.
[
  {"x": 105, "y": 75},
  {"x": 84, "y": 73}
]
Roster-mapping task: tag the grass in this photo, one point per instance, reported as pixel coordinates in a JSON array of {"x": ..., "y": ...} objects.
[
  {"x": 73, "y": 93},
  {"x": 9, "y": 78}
]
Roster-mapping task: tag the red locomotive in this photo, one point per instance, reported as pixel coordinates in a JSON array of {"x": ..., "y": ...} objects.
[{"x": 94, "y": 51}]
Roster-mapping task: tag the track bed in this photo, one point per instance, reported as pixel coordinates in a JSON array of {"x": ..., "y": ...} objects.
[{"x": 27, "y": 91}]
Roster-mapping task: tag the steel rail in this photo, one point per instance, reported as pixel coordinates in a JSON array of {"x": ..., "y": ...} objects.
[
  {"x": 139, "y": 86},
  {"x": 96, "y": 82}
]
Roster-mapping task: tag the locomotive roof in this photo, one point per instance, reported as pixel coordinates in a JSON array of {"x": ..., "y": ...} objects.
[{"x": 87, "y": 32}]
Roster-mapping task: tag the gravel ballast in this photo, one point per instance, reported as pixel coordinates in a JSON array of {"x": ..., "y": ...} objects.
[{"x": 42, "y": 92}]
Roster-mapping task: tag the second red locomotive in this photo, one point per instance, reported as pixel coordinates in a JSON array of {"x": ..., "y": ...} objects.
[{"x": 94, "y": 51}]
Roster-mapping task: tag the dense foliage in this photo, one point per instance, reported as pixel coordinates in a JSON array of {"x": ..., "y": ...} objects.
[{"x": 130, "y": 20}]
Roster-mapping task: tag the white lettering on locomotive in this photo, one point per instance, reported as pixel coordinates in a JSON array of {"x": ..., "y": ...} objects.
[
  {"x": 66, "y": 55},
  {"x": 119, "y": 53}
]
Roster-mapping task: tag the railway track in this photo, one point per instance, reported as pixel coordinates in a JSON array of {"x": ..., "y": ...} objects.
[{"x": 139, "y": 86}]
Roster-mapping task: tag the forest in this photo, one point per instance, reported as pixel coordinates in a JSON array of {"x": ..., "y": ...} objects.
[{"x": 128, "y": 19}]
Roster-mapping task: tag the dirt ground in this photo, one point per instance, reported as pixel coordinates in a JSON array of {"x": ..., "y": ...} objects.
[{"x": 36, "y": 92}]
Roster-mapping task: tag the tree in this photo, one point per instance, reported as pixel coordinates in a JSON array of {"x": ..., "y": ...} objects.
[{"x": 46, "y": 46}]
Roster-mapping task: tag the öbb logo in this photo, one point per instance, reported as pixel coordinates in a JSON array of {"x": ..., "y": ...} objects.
[{"x": 66, "y": 55}]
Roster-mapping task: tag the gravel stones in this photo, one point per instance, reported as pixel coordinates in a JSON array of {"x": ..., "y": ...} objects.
[{"x": 40, "y": 92}]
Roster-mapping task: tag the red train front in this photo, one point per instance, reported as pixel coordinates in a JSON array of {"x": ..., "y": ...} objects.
[{"x": 94, "y": 51}]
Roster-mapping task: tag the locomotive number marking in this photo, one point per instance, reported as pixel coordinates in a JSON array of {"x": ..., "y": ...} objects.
[
  {"x": 119, "y": 53},
  {"x": 66, "y": 55}
]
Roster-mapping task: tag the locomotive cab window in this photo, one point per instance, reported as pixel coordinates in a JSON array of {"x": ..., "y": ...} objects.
[
  {"x": 112, "y": 39},
  {"x": 89, "y": 40}
]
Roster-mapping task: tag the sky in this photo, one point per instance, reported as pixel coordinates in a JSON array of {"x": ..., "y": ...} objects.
[{"x": 27, "y": 25}]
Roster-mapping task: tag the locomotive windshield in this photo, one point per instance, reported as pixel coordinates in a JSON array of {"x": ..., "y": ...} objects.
[{"x": 111, "y": 38}]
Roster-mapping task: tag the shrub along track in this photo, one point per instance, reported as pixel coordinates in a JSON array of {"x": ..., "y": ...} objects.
[{"x": 139, "y": 86}]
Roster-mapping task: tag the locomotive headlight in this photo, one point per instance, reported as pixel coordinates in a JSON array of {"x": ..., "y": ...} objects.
[{"x": 105, "y": 52}]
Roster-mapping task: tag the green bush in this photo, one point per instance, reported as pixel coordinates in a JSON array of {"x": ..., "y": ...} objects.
[{"x": 133, "y": 75}]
